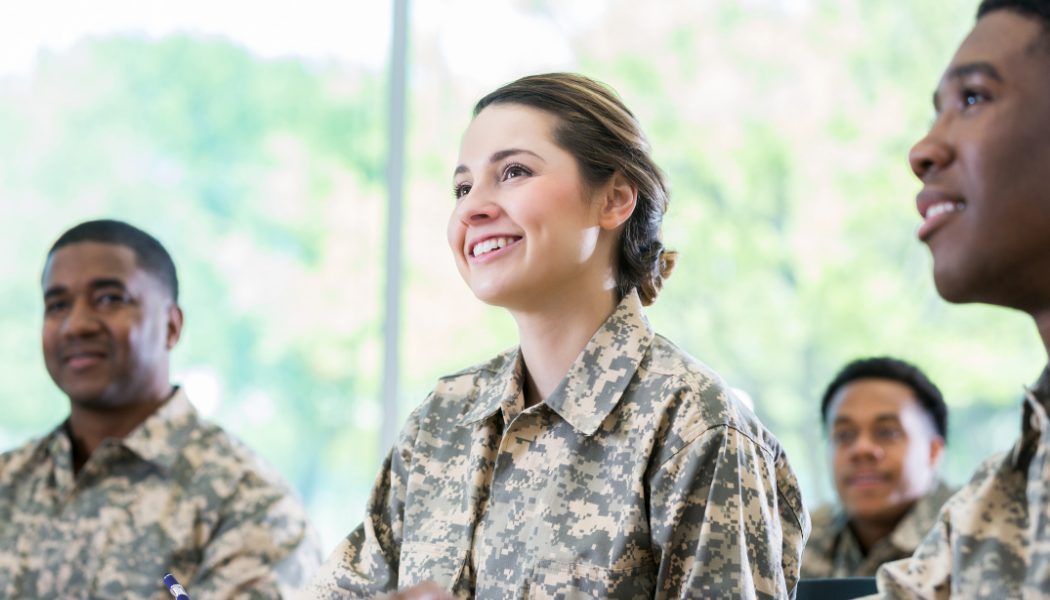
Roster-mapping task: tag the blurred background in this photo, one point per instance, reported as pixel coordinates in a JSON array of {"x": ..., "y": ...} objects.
[{"x": 251, "y": 138}]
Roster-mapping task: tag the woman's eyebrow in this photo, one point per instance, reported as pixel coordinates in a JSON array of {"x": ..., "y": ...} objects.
[{"x": 498, "y": 156}]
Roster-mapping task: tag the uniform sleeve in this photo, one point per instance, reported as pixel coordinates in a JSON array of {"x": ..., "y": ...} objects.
[
  {"x": 263, "y": 547},
  {"x": 726, "y": 520},
  {"x": 365, "y": 564}
]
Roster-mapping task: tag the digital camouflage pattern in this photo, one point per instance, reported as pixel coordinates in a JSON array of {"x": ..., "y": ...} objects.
[
  {"x": 639, "y": 477},
  {"x": 992, "y": 539},
  {"x": 177, "y": 495},
  {"x": 833, "y": 550}
]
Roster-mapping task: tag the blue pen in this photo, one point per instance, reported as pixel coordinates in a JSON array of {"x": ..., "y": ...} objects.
[{"x": 176, "y": 589}]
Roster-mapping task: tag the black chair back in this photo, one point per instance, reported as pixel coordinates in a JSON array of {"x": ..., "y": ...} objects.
[{"x": 835, "y": 589}]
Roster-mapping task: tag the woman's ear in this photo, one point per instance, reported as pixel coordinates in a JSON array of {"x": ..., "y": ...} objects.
[{"x": 619, "y": 197}]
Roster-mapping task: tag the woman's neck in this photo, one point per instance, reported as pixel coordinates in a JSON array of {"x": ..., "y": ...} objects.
[{"x": 551, "y": 339}]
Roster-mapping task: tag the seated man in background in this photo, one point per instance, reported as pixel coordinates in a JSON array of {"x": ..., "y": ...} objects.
[
  {"x": 133, "y": 484},
  {"x": 888, "y": 425},
  {"x": 985, "y": 205}
]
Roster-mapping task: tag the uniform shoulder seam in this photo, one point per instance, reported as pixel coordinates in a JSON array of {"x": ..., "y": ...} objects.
[{"x": 492, "y": 365}]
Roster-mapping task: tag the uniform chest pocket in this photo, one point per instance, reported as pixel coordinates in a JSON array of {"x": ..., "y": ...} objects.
[
  {"x": 553, "y": 580},
  {"x": 423, "y": 561}
]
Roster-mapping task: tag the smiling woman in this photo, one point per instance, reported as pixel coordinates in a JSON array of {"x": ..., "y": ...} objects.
[{"x": 596, "y": 457}]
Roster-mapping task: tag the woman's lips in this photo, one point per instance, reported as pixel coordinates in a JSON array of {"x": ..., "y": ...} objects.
[{"x": 492, "y": 248}]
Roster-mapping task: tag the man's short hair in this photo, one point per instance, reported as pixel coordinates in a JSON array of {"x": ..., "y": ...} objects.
[
  {"x": 1037, "y": 9},
  {"x": 885, "y": 367},
  {"x": 150, "y": 254}
]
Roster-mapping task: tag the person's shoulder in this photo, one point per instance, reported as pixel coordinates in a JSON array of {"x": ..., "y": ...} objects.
[
  {"x": 17, "y": 460},
  {"x": 677, "y": 371},
  {"x": 995, "y": 470},
  {"x": 993, "y": 481},
  {"x": 470, "y": 377},
  {"x": 697, "y": 398},
  {"x": 826, "y": 516},
  {"x": 827, "y": 522},
  {"x": 456, "y": 394},
  {"x": 214, "y": 454}
]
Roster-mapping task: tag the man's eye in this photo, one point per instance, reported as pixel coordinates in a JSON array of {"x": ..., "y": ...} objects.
[
  {"x": 110, "y": 299},
  {"x": 973, "y": 97},
  {"x": 887, "y": 434},
  {"x": 461, "y": 190},
  {"x": 842, "y": 438},
  {"x": 54, "y": 307}
]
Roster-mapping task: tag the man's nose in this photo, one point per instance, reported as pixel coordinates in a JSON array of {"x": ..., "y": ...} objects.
[
  {"x": 932, "y": 153},
  {"x": 82, "y": 320}
]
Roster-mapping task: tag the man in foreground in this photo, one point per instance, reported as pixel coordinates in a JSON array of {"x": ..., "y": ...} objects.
[
  {"x": 985, "y": 204},
  {"x": 133, "y": 485}
]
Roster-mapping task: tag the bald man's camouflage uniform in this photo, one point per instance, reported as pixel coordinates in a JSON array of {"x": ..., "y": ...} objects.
[
  {"x": 176, "y": 495},
  {"x": 639, "y": 477},
  {"x": 992, "y": 539},
  {"x": 833, "y": 550}
]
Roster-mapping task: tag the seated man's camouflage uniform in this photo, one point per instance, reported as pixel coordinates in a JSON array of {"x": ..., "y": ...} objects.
[
  {"x": 639, "y": 477},
  {"x": 833, "y": 550},
  {"x": 177, "y": 495}
]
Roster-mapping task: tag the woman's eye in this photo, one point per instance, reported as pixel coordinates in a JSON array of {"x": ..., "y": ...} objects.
[
  {"x": 513, "y": 171},
  {"x": 461, "y": 190}
]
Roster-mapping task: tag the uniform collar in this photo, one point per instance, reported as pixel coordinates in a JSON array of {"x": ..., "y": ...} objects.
[
  {"x": 157, "y": 440},
  {"x": 600, "y": 374},
  {"x": 160, "y": 438},
  {"x": 1039, "y": 393},
  {"x": 908, "y": 533},
  {"x": 596, "y": 379},
  {"x": 1034, "y": 425},
  {"x": 502, "y": 385}
]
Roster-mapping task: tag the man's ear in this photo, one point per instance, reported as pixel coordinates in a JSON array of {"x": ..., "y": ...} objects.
[
  {"x": 619, "y": 197},
  {"x": 936, "y": 449},
  {"x": 174, "y": 324}
]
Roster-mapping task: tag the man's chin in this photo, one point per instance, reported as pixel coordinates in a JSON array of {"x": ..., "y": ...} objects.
[
  {"x": 952, "y": 292},
  {"x": 91, "y": 397},
  {"x": 884, "y": 511}
]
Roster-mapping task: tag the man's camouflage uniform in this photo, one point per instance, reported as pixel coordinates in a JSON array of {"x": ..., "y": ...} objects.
[
  {"x": 639, "y": 477},
  {"x": 176, "y": 495},
  {"x": 992, "y": 539},
  {"x": 833, "y": 550}
]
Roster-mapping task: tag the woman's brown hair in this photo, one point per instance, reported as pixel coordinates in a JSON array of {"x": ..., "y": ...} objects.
[{"x": 604, "y": 136}]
